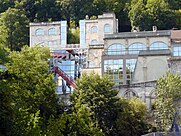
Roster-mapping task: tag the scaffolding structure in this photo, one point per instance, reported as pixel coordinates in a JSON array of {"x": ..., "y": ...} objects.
[{"x": 65, "y": 80}]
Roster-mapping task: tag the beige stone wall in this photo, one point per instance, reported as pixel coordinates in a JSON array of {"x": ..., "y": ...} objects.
[
  {"x": 128, "y": 41},
  {"x": 145, "y": 94},
  {"x": 106, "y": 18},
  {"x": 94, "y": 56},
  {"x": 34, "y": 39},
  {"x": 175, "y": 66},
  {"x": 89, "y": 35},
  {"x": 90, "y": 70},
  {"x": 149, "y": 68}
]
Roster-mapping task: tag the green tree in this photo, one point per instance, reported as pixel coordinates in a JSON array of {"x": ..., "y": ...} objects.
[
  {"x": 3, "y": 54},
  {"x": 131, "y": 120},
  {"x": 147, "y": 13},
  {"x": 6, "y": 111},
  {"x": 5, "y": 4},
  {"x": 30, "y": 91},
  {"x": 99, "y": 96},
  {"x": 168, "y": 91},
  {"x": 80, "y": 120},
  {"x": 137, "y": 14},
  {"x": 14, "y": 24},
  {"x": 66, "y": 8},
  {"x": 160, "y": 14},
  {"x": 175, "y": 4},
  {"x": 178, "y": 19},
  {"x": 73, "y": 33},
  {"x": 74, "y": 123}
]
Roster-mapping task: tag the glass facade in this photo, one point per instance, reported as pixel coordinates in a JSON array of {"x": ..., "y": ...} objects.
[
  {"x": 116, "y": 49},
  {"x": 177, "y": 51},
  {"x": 136, "y": 47},
  {"x": 63, "y": 33},
  {"x": 158, "y": 46},
  {"x": 82, "y": 33},
  {"x": 114, "y": 68},
  {"x": 130, "y": 66},
  {"x": 70, "y": 66}
]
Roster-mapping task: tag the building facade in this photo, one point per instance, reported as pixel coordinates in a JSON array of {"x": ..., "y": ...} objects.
[
  {"x": 50, "y": 34},
  {"x": 133, "y": 60}
]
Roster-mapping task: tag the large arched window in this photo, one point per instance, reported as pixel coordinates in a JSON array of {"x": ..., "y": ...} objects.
[
  {"x": 39, "y": 31},
  {"x": 116, "y": 49},
  {"x": 136, "y": 47},
  {"x": 94, "y": 42},
  {"x": 94, "y": 29},
  {"x": 107, "y": 28},
  {"x": 52, "y": 31},
  {"x": 130, "y": 94},
  {"x": 41, "y": 44},
  {"x": 158, "y": 45}
]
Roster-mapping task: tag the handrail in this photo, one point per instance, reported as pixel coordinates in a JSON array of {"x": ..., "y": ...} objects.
[{"x": 68, "y": 79}]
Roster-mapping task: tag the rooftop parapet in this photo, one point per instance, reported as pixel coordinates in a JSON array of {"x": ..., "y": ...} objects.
[
  {"x": 155, "y": 52},
  {"x": 45, "y": 23},
  {"x": 138, "y": 34}
]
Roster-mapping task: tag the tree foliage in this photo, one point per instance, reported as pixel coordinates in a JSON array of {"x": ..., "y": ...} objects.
[
  {"x": 168, "y": 92},
  {"x": 14, "y": 24},
  {"x": 97, "y": 93},
  {"x": 147, "y": 13},
  {"x": 153, "y": 12},
  {"x": 131, "y": 118},
  {"x": 29, "y": 92},
  {"x": 73, "y": 33}
]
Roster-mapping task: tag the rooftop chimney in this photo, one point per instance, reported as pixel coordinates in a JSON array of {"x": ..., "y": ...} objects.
[{"x": 154, "y": 28}]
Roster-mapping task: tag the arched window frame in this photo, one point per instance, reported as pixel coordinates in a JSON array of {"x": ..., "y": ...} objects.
[
  {"x": 39, "y": 31},
  {"x": 138, "y": 47},
  {"x": 130, "y": 93},
  {"x": 107, "y": 28},
  {"x": 52, "y": 31},
  {"x": 94, "y": 29},
  {"x": 116, "y": 49},
  {"x": 158, "y": 45},
  {"x": 41, "y": 44},
  {"x": 94, "y": 41}
]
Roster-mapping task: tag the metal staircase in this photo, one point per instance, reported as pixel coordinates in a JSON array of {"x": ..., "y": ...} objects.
[
  {"x": 58, "y": 56},
  {"x": 69, "y": 80}
]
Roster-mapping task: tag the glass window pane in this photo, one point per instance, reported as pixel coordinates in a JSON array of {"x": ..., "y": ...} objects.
[
  {"x": 130, "y": 66},
  {"x": 116, "y": 49},
  {"x": 52, "y": 31},
  {"x": 158, "y": 45},
  {"x": 39, "y": 32},
  {"x": 136, "y": 47},
  {"x": 94, "y": 42},
  {"x": 106, "y": 28},
  {"x": 177, "y": 51},
  {"x": 94, "y": 29},
  {"x": 114, "y": 69}
]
